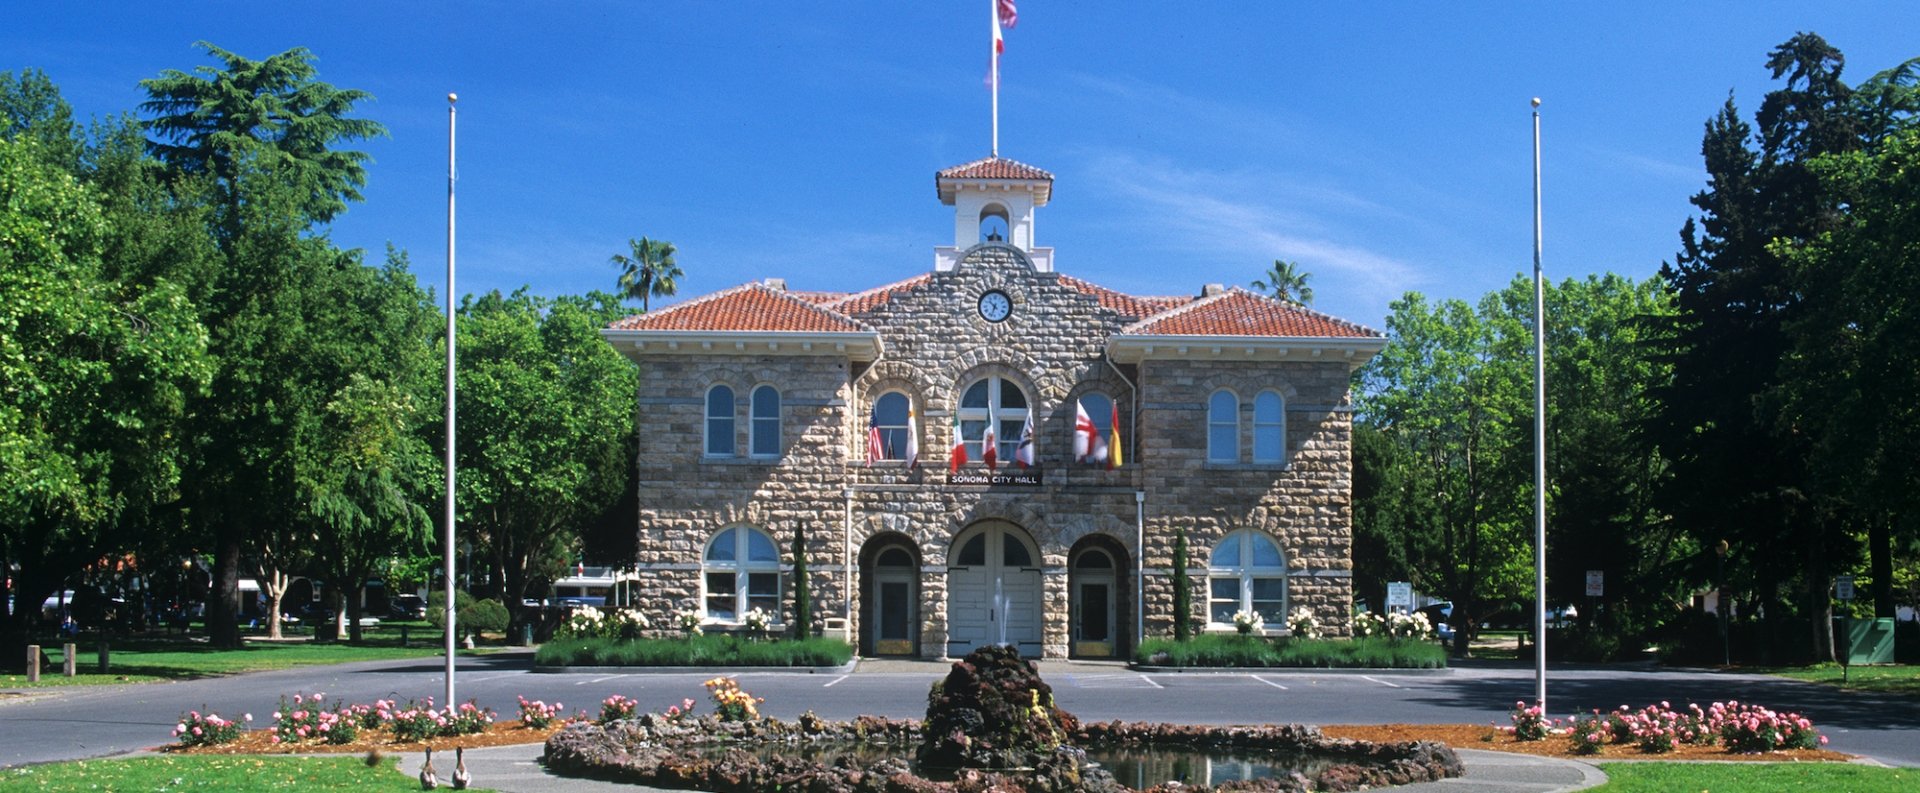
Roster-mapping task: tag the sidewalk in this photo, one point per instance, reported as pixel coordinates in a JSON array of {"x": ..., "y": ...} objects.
[{"x": 517, "y": 769}]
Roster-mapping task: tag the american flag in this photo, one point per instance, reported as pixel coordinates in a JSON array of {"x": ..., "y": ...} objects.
[
  {"x": 1009, "y": 16},
  {"x": 1004, "y": 17},
  {"x": 876, "y": 448}
]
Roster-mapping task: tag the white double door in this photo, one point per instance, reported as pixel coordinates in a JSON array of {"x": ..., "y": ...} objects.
[{"x": 993, "y": 590}]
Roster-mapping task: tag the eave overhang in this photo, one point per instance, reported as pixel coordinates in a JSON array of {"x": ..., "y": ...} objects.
[
  {"x": 636, "y": 344},
  {"x": 1134, "y": 348}
]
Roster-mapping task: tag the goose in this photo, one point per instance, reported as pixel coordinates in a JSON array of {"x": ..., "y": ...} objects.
[
  {"x": 428, "y": 780},
  {"x": 460, "y": 776}
]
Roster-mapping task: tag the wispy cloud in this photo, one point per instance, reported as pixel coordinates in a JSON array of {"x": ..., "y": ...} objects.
[
  {"x": 1234, "y": 214},
  {"x": 1650, "y": 166}
]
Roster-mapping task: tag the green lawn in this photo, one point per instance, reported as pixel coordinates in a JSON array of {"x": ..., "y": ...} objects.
[
  {"x": 1655, "y": 777},
  {"x": 147, "y": 660},
  {"x": 210, "y": 772},
  {"x": 1900, "y": 679}
]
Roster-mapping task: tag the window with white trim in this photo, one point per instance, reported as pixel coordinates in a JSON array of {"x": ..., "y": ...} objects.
[
  {"x": 998, "y": 401},
  {"x": 720, "y": 437},
  {"x": 1246, "y": 573},
  {"x": 741, "y": 572},
  {"x": 1269, "y": 428},
  {"x": 1223, "y": 427},
  {"x": 764, "y": 430}
]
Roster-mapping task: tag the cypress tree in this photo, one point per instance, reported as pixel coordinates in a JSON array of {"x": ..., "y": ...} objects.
[
  {"x": 1182, "y": 589},
  {"x": 802, "y": 599}
]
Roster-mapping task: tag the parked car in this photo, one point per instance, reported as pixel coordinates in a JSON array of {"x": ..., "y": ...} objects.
[{"x": 407, "y": 607}]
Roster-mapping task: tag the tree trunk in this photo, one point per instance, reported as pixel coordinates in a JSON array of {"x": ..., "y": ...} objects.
[
  {"x": 1880, "y": 551},
  {"x": 223, "y": 615},
  {"x": 274, "y": 584},
  {"x": 356, "y": 606},
  {"x": 1819, "y": 601}
]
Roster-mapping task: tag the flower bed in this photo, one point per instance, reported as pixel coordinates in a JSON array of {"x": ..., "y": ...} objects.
[
  {"x": 1377, "y": 652},
  {"x": 1660, "y": 728},
  {"x": 693, "y": 650}
]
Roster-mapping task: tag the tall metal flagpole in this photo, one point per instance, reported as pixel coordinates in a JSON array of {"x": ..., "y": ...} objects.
[
  {"x": 1539, "y": 441},
  {"x": 993, "y": 10},
  {"x": 446, "y": 547}
]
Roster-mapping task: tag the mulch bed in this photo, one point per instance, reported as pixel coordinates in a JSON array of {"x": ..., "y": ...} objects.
[
  {"x": 1459, "y": 736},
  {"x": 503, "y": 733},
  {"x": 1482, "y": 736}
]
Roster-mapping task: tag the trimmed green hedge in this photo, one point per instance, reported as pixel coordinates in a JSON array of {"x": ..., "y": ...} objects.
[
  {"x": 1249, "y": 651},
  {"x": 712, "y": 650}
]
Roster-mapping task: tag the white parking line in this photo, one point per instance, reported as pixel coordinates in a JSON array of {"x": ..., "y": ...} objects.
[
  {"x": 600, "y": 679},
  {"x": 1150, "y": 682},
  {"x": 836, "y": 681},
  {"x": 1268, "y": 682},
  {"x": 1381, "y": 682}
]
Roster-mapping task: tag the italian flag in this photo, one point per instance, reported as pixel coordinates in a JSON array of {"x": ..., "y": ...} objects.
[{"x": 958, "y": 457}]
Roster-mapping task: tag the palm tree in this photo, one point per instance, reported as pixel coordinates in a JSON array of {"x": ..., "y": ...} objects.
[
  {"x": 649, "y": 272},
  {"x": 1286, "y": 282}
]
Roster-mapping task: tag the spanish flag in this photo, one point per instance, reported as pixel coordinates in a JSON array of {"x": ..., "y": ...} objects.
[{"x": 1113, "y": 442}]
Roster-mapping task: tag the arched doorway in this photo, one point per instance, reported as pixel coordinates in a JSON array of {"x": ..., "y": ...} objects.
[
  {"x": 993, "y": 590},
  {"x": 890, "y": 597},
  {"x": 1094, "y": 602}
]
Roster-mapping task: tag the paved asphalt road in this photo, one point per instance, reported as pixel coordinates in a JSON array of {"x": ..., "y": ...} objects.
[{"x": 62, "y": 724}]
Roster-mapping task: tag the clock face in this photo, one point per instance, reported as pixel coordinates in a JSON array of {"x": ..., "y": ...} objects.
[{"x": 995, "y": 306}]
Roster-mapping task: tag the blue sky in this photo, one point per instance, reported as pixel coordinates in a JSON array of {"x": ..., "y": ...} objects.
[{"x": 1383, "y": 146}]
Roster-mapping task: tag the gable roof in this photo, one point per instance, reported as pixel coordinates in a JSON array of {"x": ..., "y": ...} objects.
[
  {"x": 753, "y": 307},
  {"x": 1237, "y": 312},
  {"x": 1133, "y": 306}
]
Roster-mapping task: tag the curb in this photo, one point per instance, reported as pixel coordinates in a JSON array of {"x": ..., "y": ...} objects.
[
  {"x": 843, "y": 669},
  {"x": 1290, "y": 670}
]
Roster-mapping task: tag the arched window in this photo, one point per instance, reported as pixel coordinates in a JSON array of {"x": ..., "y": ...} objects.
[
  {"x": 719, "y": 421},
  {"x": 995, "y": 224},
  {"x": 1246, "y": 573},
  {"x": 1099, "y": 409},
  {"x": 998, "y": 402},
  {"x": 1223, "y": 428},
  {"x": 765, "y": 428},
  {"x": 1269, "y": 428},
  {"x": 891, "y": 427},
  {"x": 741, "y": 571}
]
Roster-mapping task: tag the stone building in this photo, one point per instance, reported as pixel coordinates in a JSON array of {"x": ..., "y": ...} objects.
[{"x": 769, "y": 414}]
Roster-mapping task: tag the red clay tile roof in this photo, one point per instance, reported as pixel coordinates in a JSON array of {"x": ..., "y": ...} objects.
[
  {"x": 749, "y": 307},
  {"x": 1238, "y": 312},
  {"x": 862, "y": 302},
  {"x": 1124, "y": 304},
  {"x": 994, "y": 168}
]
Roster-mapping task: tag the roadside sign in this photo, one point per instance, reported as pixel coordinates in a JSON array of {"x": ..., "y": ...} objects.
[
  {"x": 1596, "y": 582},
  {"x": 1843, "y": 587},
  {"x": 1400, "y": 594}
]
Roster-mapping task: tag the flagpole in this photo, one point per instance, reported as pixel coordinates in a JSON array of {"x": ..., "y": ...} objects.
[
  {"x": 1539, "y": 440},
  {"x": 993, "y": 11},
  {"x": 447, "y": 534}
]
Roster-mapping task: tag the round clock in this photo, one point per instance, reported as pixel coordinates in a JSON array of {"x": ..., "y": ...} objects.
[{"x": 995, "y": 306}]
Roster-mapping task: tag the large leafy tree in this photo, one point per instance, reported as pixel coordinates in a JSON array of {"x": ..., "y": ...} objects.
[
  {"x": 264, "y": 134},
  {"x": 1448, "y": 394},
  {"x": 649, "y": 272},
  {"x": 1853, "y": 370},
  {"x": 1286, "y": 281},
  {"x": 546, "y": 408},
  {"x": 1742, "y": 469},
  {"x": 273, "y": 112},
  {"x": 95, "y": 373}
]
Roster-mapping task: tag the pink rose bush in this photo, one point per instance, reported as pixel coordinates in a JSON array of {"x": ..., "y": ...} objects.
[
  {"x": 310, "y": 718},
  {"x": 207, "y": 729},
  {"x": 1660, "y": 728},
  {"x": 538, "y": 715}
]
